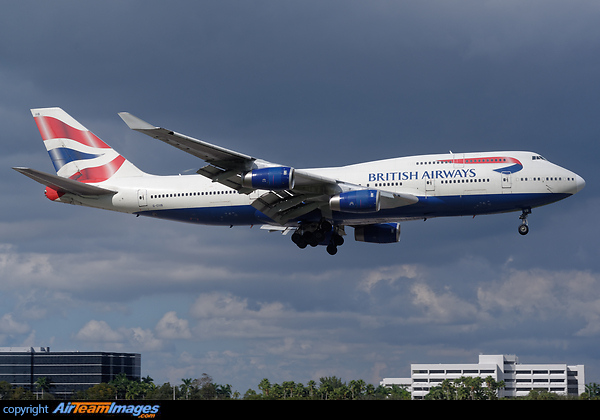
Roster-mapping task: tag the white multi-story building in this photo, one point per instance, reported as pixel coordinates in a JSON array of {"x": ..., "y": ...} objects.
[{"x": 519, "y": 379}]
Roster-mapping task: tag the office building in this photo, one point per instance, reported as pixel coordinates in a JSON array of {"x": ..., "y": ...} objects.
[
  {"x": 519, "y": 379},
  {"x": 67, "y": 372}
]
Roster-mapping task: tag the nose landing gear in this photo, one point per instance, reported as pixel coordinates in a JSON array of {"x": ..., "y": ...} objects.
[{"x": 524, "y": 228}]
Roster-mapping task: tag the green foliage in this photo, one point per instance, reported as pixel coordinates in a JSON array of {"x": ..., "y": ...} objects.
[
  {"x": 328, "y": 388},
  {"x": 592, "y": 392},
  {"x": 8, "y": 392},
  {"x": 99, "y": 392},
  {"x": 466, "y": 388}
]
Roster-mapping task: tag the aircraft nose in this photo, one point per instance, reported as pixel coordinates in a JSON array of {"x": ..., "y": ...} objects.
[{"x": 580, "y": 182}]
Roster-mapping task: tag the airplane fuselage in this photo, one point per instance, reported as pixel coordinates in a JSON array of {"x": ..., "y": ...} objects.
[{"x": 446, "y": 185}]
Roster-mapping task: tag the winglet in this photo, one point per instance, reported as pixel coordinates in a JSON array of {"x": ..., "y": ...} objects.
[{"x": 135, "y": 123}]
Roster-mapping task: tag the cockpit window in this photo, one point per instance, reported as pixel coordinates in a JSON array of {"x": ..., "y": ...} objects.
[{"x": 537, "y": 157}]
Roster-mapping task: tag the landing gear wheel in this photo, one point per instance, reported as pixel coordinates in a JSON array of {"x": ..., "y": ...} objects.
[
  {"x": 310, "y": 238},
  {"x": 299, "y": 240},
  {"x": 523, "y": 229},
  {"x": 318, "y": 236},
  {"x": 322, "y": 233},
  {"x": 337, "y": 240},
  {"x": 331, "y": 249},
  {"x": 325, "y": 226}
]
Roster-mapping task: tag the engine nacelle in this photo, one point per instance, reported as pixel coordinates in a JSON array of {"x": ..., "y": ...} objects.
[
  {"x": 279, "y": 178},
  {"x": 381, "y": 233},
  {"x": 361, "y": 201}
]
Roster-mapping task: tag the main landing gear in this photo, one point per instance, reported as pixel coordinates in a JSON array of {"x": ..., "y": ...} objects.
[
  {"x": 524, "y": 228},
  {"x": 322, "y": 233}
]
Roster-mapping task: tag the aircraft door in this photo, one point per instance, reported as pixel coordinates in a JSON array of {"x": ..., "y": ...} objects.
[
  {"x": 430, "y": 185},
  {"x": 142, "y": 198},
  {"x": 506, "y": 182}
]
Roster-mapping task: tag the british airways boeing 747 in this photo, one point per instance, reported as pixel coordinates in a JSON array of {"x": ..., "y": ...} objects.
[{"x": 315, "y": 205}]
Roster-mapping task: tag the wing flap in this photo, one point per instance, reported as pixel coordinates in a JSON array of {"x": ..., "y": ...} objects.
[
  {"x": 230, "y": 178},
  {"x": 282, "y": 206}
]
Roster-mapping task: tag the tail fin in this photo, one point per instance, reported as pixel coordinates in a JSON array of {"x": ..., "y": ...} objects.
[{"x": 76, "y": 152}]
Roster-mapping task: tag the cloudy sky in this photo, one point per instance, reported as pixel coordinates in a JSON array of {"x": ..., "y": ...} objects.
[{"x": 310, "y": 83}]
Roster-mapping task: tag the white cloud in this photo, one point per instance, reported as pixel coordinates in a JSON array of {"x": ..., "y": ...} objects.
[
  {"x": 225, "y": 315},
  {"x": 8, "y": 325},
  {"x": 446, "y": 307},
  {"x": 390, "y": 274},
  {"x": 219, "y": 305},
  {"x": 143, "y": 339},
  {"x": 545, "y": 294},
  {"x": 99, "y": 334},
  {"x": 170, "y": 327}
]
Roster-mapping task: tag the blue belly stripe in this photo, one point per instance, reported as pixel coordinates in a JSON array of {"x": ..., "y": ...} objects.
[{"x": 434, "y": 206}]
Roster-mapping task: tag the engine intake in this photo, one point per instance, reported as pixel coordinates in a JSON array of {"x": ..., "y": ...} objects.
[
  {"x": 381, "y": 233},
  {"x": 361, "y": 201},
  {"x": 279, "y": 178}
]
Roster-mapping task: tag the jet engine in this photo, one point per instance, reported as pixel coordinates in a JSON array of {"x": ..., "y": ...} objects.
[
  {"x": 361, "y": 201},
  {"x": 278, "y": 178},
  {"x": 381, "y": 233}
]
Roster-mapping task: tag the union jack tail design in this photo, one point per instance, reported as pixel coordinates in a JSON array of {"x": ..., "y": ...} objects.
[{"x": 76, "y": 152}]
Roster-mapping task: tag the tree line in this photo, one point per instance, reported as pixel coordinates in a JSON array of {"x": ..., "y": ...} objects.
[
  {"x": 203, "y": 388},
  {"x": 328, "y": 388}
]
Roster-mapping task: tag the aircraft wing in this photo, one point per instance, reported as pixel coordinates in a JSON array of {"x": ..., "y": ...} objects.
[
  {"x": 215, "y": 155},
  {"x": 310, "y": 191},
  {"x": 64, "y": 185},
  {"x": 224, "y": 165},
  {"x": 228, "y": 167}
]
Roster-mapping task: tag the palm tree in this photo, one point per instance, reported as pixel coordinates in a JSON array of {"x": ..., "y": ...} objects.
[
  {"x": 44, "y": 384},
  {"x": 185, "y": 387},
  {"x": 120, "y": 384},
  {"x": 312, "y": 386},
  {"x": 398, "y": 393},
  {"x": 134, "y": 389},
  {"x": 492, "y": 388},
  {"x": 300, "y": 390},
  {"x": 288, "y": 386},
  {"x": 325, "y": 388},
  {"x": 357, "y": 387},
  {"x": 593, "y": 390},
  {"x": 265, "y": 387},
  {"x": 223, "y": 391}
]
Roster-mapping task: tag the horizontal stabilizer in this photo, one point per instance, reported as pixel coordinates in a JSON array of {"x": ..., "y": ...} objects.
[{"x": 64, "y": 185}]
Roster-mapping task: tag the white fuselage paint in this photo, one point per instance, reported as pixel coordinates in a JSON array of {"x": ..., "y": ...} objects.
[{"x": 446, "y": 185}]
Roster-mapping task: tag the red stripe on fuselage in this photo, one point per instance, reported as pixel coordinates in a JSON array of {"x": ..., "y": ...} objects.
[{"x": 481, "y": 160}]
